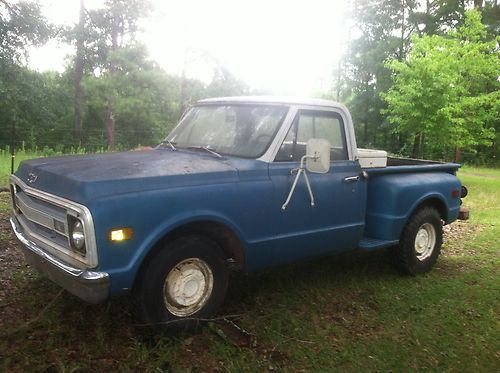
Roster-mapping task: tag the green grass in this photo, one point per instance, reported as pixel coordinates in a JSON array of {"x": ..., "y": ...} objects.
[
  {"x": 5, "y": 162},
  {"x": 22, "y": 154},
  {"x": 350, "y": 313},
  {"x": 484, "y": 189}
]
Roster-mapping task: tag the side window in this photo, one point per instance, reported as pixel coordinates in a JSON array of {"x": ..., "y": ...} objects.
[{"x": 314, "y": 124}]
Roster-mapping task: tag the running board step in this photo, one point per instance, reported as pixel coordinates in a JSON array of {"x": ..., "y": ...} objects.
[{"x": 368, "y": 243}]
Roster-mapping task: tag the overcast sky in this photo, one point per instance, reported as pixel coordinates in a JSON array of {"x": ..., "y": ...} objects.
[{"x": 289, "y": 47}]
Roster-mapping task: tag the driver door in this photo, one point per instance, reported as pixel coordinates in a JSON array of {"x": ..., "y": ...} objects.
[{"x": 336, "y": 221}]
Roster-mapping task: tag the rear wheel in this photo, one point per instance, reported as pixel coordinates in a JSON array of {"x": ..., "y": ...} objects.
[
  {"x": 183, "y": 284},
  {"x": 420, "y": 243}
]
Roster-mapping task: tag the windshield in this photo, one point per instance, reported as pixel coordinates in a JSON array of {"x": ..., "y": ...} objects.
[{"x": 231, "y": 129}]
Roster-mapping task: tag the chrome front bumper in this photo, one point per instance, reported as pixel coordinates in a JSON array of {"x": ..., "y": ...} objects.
[{"x": 92, "y": 287}]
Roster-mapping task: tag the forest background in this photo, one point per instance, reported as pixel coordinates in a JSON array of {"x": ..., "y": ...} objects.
[{"x": 420, "y": 77}]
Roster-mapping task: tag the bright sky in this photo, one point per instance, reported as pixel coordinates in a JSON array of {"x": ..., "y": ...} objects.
[{"x": 288, "y": 47}]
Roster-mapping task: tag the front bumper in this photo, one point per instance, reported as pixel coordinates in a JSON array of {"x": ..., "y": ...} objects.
[{"x": 91, "y": 286}]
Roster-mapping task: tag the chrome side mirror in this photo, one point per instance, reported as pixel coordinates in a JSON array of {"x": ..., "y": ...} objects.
[{"x": 318, "y": 156}]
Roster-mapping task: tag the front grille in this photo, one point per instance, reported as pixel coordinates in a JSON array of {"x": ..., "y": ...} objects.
[
  {"x": 41, "y": 213},
  {"x": 44, "y": 218}
]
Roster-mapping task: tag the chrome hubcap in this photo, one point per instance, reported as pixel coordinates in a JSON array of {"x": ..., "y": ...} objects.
[
  {"x": 188, "y": 287},
  {"x": 425, "y": 241}
]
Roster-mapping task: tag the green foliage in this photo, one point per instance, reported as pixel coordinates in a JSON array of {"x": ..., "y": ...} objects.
[
  {"x": 110, "y": 66},
  {"x": 225, "y": 84},
  {"x": 446, "y": 92},
  {"x": 21, "y": 25},
  {"x": 145, "y": 101},
  {"x": 383, "y": 31},
  {"x": 36, "y": 103},
  {"x": 438, "y": 16}
]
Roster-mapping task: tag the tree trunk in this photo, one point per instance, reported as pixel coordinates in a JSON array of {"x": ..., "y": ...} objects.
[
  {"x": 110, "y": 115},
  {"x": 458, "y": 154},
  {"x": 394, "y": 143},
  {"x": 110, "y": 126},
  {"x": 367, "y": 109},
  {"x": 402, "y": 46},
  {"x": 478, "y": 4},
  {"x": 428, "y": 18},
  {"x": 339, "y": 79},
  {"x": 422, "y": 142},
  {"x": 402, "y": 141},
  {"x": 79, "y": 65},
  {"x": 416, "y": 145}
]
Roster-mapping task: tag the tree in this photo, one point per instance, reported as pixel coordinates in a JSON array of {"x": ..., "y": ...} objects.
[
  {"x": 224, "y": 83},
  {"x": 446, "y": 92},
  {"x": 115, "y": 27},
  {"x": 21, "y": 25},
  {"x": 383, "y": 29},
  {"x": 79, "y": 70},
  {"x": 145, "y": 100}
]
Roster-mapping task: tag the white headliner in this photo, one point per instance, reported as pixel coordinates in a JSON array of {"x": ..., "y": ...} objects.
[{"x": 273, "y": 100}]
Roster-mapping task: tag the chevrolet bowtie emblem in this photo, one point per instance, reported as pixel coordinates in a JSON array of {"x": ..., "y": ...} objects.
[{"x": 32, "y": 178}]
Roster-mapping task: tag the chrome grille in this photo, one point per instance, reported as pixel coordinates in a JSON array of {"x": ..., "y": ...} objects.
[
  {"x": 41, "y": 214},
  {"x": 50, "y": 235},
  {"x": 44, "y": 219}
]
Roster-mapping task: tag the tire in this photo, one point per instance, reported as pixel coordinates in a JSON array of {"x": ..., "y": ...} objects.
[
  {"x": 182, "y": 285},
  {"x": 420, "y": 242}
]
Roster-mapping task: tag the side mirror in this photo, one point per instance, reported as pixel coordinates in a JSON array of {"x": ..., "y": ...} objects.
[{"x": 318, "y": 156}]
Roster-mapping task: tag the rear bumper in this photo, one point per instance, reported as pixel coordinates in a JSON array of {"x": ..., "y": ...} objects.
[{"x": 91, "y": 286}]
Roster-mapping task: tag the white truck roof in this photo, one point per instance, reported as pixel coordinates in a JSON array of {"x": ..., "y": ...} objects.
[{"x": 274, "y": 100}]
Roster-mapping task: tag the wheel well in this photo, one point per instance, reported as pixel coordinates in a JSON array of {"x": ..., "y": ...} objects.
[
  {"x": 219, "y": 233},
  {"x": 437, "y": 204}
]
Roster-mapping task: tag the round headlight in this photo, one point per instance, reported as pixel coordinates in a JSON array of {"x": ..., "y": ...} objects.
[{"x": 77, "y": 236}]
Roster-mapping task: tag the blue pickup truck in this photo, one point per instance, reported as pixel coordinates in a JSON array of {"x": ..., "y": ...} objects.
[{"x": 251, "y": 182}]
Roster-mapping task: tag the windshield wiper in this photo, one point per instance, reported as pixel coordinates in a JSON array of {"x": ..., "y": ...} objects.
[
  {"x": 207, "y": 149},
  {"x": 169, "y": 143}
]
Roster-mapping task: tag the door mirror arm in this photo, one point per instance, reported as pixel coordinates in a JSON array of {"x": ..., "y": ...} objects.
[
  {"x": 317, "y": 160},
  {"x": 301, "y": 170}
]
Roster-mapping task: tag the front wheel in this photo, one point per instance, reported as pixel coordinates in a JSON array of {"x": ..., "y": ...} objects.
[
  {"x": 420, "y": 242},
  {"x": 183, "y": 284}
]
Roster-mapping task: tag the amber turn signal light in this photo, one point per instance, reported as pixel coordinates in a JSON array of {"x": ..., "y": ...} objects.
[{"x": 120, "y": 234}]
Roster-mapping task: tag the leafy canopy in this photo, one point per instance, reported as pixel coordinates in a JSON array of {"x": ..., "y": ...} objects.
[
  {"x": 447, "y": 89},
  {"x": 21, "y": 25}
]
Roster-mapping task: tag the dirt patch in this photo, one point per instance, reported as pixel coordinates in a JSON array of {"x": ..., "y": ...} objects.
[
  {"x": 11, "y": 257},
  {"x": 456, "y": 237}
]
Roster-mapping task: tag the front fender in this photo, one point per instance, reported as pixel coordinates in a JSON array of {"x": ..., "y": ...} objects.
[
  {"x": 169, "y": 226},
  {"x": 154, "y": 214}
]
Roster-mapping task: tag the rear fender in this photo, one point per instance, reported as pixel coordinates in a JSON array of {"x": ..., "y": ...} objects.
[{"x": 393, "y": 198}]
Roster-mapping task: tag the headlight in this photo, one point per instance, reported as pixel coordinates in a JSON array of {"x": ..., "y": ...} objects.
[{"x": 77, "y": 236}]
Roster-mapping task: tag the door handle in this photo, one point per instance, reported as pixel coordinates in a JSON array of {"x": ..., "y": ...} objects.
[{"x": 351, "y": 179}]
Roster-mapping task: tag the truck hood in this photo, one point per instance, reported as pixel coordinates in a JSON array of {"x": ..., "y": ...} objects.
[{"x": 86, "y": 177}]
